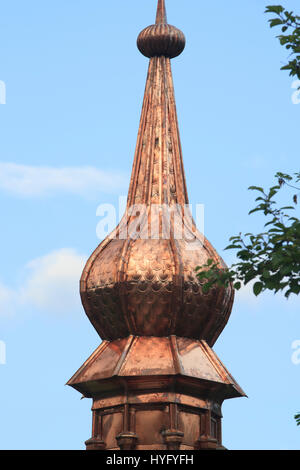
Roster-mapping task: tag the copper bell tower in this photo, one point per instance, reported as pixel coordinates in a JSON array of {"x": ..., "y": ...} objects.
[{"x": 154, "y": 380}]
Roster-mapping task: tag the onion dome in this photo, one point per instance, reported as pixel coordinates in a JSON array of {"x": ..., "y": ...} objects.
[
  {"x": 144, "y": 285},
  {"x": 161, "y": 39}
]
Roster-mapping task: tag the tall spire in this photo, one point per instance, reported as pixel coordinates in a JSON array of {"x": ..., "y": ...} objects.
[
  {"x": 158, "y": 173},
  {"x": 156, "y": 384},
  {"x": 176, "y": 303},
  {"x": 161, "y": 15}
]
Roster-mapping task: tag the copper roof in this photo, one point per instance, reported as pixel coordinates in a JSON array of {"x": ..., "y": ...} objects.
[
  {"x": 148, "y": 286},
  {"x": 155, "y": 381},
  {"x": 154, "y": 359}
]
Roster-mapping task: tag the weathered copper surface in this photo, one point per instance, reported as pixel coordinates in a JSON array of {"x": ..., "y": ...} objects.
[
  {"x": 155, "y": 381},
  {"x": 155, "y": 393},
  {"x": 154, "y": 358},
  {"x": 148, "y": 287},
  {"x": 161, "y": 39}
]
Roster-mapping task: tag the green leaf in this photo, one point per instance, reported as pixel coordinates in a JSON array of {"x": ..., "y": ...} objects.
[
  {"x": 257, "y": 209},
  {"x": 237, "y": 285},
  {"x": 205, "y": 289},
  {"x": 257, "y": 288},
  {"x": 256, "y": 188},
  {"x": 274, "y": 9},
  {"x": 275, "y": 22}
]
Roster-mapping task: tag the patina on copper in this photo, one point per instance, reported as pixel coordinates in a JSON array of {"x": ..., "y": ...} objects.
[{"x": 155, "y": 382}]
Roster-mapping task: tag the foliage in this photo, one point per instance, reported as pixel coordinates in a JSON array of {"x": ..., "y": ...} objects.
[
  {"x": 270, "y": 259},
  {"x": 290, "y": 37}
]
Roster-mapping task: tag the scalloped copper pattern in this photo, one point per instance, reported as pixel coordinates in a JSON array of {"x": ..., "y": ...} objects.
[{"x": 150, "y": 288}]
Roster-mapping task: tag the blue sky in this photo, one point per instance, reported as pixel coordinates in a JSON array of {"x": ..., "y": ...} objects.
[{"x": 74, "y": 87}]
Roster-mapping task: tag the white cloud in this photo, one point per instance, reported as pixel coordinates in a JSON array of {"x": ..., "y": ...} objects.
[
  {"x": 31, "y": 181},
  {"x": 51, "y": 284},
  {"x": 53, "y": 281},
  {"x": 6, "y": 300}
]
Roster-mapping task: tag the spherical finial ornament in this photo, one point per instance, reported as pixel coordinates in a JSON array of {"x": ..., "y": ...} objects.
[{"x": 161, "y": 40}]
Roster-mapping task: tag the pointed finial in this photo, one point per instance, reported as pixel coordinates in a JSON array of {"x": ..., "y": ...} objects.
[
  {"x": 161, "y": 38},
  {"x": 161, "y": 15}
]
